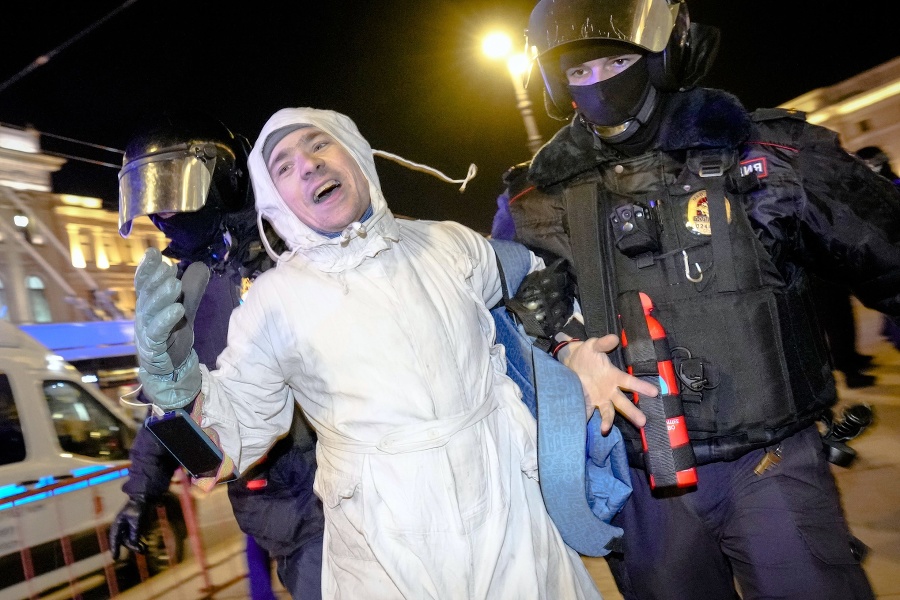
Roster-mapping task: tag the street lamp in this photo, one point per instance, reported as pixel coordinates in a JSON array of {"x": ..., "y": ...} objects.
[{"x": 499, "y": 45}]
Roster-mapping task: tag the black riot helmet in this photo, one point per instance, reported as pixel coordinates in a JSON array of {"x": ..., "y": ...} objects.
[
  {"x": 676, "y": 53},
  {"x": 183, "y": 161}
]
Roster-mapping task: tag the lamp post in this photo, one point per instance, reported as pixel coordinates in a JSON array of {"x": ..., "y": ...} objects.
[{"x": 499, "y": 45}]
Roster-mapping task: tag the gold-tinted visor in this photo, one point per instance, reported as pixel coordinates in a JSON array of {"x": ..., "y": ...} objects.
[
  {"x": 644, "y": 23},
  {"x": 176, "y": 181}
]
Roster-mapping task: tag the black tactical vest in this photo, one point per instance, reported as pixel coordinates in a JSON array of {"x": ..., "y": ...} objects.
[{"x": 747, "y": 350}]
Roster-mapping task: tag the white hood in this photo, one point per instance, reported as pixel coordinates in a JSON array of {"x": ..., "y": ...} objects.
[{"x": 359, "y": 240}]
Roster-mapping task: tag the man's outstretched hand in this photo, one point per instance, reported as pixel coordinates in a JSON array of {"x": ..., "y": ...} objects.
[{"x": 603, "y": 382}]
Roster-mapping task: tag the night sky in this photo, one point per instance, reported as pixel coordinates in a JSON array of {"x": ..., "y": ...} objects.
[{"x": 410, "y": 73}]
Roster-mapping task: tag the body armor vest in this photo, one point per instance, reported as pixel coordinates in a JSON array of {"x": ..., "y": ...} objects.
[{"x": 747, "y": 350}]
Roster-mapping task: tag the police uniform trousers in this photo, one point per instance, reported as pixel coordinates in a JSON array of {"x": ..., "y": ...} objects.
[{"x": 781, "y": 534}]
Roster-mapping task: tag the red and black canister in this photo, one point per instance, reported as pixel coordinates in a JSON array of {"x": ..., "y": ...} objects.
[{"x": 668, "y": 455}]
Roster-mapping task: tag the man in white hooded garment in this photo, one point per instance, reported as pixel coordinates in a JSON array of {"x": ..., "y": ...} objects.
[{"x": 379, "y": 329}]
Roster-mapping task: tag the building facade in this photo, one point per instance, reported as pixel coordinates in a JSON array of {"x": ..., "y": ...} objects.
[
  {"x": 61, "y": 256},
  {"x": 864, "y": 110}
]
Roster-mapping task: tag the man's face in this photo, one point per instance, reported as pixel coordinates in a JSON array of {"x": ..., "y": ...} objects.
[
  {"x": 319, "y": 180},
  {"x": 600, "y": 69}
]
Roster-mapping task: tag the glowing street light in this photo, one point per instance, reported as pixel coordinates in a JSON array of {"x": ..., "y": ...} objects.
[{"x": 497, "y": 46}]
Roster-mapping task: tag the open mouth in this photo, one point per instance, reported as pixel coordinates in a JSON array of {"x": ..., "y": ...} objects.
[{"x": 324, "y": 191}]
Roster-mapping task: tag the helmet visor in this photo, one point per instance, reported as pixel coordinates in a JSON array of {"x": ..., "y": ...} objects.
[
  {"x": 176, "y": 181},
  {"x": 643, "y": 23}
]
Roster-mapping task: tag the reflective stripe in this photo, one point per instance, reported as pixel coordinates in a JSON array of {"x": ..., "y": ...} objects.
[{"x": 58, "y": 488}]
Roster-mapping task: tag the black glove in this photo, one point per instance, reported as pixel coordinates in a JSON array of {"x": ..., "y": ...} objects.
[
  {"x": 544, "y": 301},
  {"x": 131, "y": 525}
]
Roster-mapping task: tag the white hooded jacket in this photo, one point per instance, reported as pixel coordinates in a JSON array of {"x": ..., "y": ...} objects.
[{"x": 426, "y": 455}]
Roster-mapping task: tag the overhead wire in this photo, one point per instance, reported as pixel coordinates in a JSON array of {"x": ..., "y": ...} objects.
[
  {"x": 81, "y": 158},
  {"x": 91, "y": 144},
  {"x": 74, "y": 141},
  {"x": 43, "y": 59}
]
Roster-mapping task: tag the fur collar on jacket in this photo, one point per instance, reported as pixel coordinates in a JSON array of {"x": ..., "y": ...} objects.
[{"x": 698, "y": 118}]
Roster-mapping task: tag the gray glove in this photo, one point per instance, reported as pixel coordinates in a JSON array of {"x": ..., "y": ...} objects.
[
  {"x": 193, "y": 285},
  {"x": 168, "y": 366}
]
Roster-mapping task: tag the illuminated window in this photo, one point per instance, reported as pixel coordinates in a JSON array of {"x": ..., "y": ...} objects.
[
  {"x": 112, "y": 248},
  {"x": 4, "y": 308},
  {"x": 126, "y": 299},
  {"x": 12, "y": 443},
  {"x": 75, "y": 246},
  {"x": 37, "y": 299},
  {"x": 101, "y": 248},
  {"x": 83, "y": 425},
  {"x": 136, "y": 245},
  {"x": 86, "y": 243},
  {"x": 123, "y": 248}
]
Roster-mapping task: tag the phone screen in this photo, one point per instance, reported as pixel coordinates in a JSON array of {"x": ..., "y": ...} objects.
[{"x": 187, "y": 442}]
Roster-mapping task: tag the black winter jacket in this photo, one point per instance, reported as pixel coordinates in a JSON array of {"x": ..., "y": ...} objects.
[{"x": 810, "y": 205}]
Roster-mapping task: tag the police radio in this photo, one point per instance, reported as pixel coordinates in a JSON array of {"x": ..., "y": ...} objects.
[{"x": 668, "y": 454}]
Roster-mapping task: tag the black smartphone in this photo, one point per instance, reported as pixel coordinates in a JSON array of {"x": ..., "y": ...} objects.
[{"x": 187, "y": 442}]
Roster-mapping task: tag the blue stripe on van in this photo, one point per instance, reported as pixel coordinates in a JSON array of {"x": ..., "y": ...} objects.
[{"x": 8, "y": 491}]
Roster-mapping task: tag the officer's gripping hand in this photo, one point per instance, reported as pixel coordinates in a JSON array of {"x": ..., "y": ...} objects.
[
  {"x": 603, "y": 382},
  {"x": 130, "y": 526},
  {"x": 168, "y": 366}
]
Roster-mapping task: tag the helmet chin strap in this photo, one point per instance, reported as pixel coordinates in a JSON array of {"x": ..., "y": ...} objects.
[{"x": 619, "y": 133}]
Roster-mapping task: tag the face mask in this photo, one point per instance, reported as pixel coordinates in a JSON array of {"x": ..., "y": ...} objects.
[
  {"x": 192, "y": 233},
  {"x": 615, "y": 100}
]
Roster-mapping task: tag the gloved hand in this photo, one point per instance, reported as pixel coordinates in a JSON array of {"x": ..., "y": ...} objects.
[
  {"x": 130, "y": 526},
  {"x": 160, "y": 326},
  {"x": 543, "y": 302},
  {"x": 193, "y": 285}
]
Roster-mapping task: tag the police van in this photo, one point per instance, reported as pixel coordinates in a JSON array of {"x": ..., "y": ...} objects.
[
  {"x": 103, "y": 351},
  {"x": 63, "y": 458}
]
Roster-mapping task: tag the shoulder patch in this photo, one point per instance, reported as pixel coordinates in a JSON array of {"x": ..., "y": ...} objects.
[
  {"x": 771, "y": 114},
  {"x": 758, "y": 166}
]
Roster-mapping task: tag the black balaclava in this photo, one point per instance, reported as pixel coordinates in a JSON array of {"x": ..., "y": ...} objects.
[
  {"x": 195, "y": 236},
  {"x": 615, "y": 100},
  {"x": 624, "y": 102}
]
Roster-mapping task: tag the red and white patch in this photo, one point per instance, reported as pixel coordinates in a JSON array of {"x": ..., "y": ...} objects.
[{"x": 759, "y": 166}]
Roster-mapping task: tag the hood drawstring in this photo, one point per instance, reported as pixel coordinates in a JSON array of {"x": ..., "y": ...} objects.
[
  {"x": 470, "y": 174},
  {"x": 355, "y": 226}
]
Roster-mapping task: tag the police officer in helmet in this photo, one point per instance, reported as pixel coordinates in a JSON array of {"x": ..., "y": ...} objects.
[
  {"x": 613, "y": 69},
  {"x": 187, "y": 172},
  {"x": 718, "y": 215}
]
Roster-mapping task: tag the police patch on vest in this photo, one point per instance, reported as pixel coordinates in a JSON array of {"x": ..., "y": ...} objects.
[
  {"x": 757, "y": 166},
  {"x": 697, "y": 217}
]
